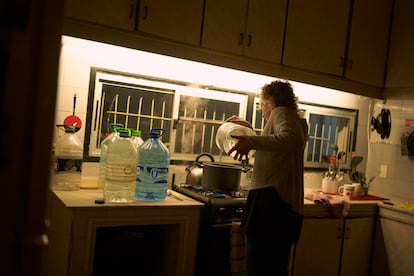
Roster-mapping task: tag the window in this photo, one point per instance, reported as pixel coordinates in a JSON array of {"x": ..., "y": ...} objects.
[
  {"x": 190, "y": 115},
  {"x": 328, "y": 127}
]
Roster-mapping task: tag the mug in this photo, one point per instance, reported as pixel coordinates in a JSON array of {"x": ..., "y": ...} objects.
[
  {"x": 357, "y": 190},
  {"x": 346, "y": 188}
]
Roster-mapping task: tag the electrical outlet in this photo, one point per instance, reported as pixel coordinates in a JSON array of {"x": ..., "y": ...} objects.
[{"x": 383, "y": 171}]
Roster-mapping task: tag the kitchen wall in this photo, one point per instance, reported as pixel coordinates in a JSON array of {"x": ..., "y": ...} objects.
[
  {"x": 387, "y": 161},
  {"x": 77, "y": 56}
]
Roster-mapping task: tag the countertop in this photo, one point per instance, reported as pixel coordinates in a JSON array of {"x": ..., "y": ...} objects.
[{"x": 86, "y": 198}]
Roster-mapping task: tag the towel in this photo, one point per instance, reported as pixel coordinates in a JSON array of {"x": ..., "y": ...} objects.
[{"x": 337, "y": 205}]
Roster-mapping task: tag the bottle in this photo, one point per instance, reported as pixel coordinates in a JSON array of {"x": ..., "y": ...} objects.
[
  {"x": 136, "y": 138},
  {"x": 68, "y": 155},
  {"x": 121, "y": 163},
  {"x": 104, "y": 148},
  {"x": 152, "y": 169}
]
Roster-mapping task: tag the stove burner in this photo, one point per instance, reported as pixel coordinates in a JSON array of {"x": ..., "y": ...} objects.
[{"x": 201, "y": 191}]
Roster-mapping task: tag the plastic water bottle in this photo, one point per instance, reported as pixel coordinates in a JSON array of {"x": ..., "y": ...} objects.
[
  {"x": 136, "y": 138},
  {"x": 68, "y": 155},
  {"x": 152, "y": 170},
  {"x": 121, "y": 163},
  {"x": 104, "y": 148}
]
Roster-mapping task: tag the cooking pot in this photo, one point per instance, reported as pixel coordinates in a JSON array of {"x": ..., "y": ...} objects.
[
  {"x": 195, "y": 171},
  {"x": 222, "y": 177}
]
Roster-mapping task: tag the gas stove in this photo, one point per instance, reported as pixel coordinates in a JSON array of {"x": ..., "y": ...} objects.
[
  {"x": 220, "y": 208},
  {"x": 219, "y": 232}
]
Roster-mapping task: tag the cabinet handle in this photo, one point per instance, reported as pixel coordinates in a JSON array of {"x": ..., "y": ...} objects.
[
  {"x": 350, "y": 63},
  {"x": 145, "y": 13},
  {"x": 341, "y": 61},
  {"x": 249, "y": 40},
  {"x": 347, "y": 233},
  {"x": 241, "y": 39},
  {"x": 131, "y": 11}
]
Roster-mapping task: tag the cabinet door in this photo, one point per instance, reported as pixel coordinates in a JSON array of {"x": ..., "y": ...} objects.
[
  {"x": 368, "y": 41},
  {"x": 316, "y": 34},
  {"x": 265, "y": 29},
  {"x": 178, "y": 20},
  {"x": 119, "y": 14},
  {"x": 224, "y": 25},
  {"x": 401, "y": 58},
  {"x": 318, "y": 250},
  {"x": 356, "y": 252}
]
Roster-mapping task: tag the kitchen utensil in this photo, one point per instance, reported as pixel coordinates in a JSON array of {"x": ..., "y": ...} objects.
[
  {"x": 195, "y": 171},
  {"x": 382, "y": 123},
  {"x": 222, "y": 177},
  {"x": 225, "y": 142},
  {"x": 73, "y": 120},
  {"x": 410, "y": 143}
]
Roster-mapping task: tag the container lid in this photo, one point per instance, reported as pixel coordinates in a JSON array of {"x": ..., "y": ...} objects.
[
  {"x": 114, "y": 127},
  {"x": 124, "y": 133},
  {"x": 135, "y": 133},
  {"x": 156, "y": 132}
]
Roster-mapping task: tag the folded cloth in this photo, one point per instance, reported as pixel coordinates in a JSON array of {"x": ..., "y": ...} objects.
[
  {"x": 406, "y": 205},
  {"x": 336, "y": 204}
]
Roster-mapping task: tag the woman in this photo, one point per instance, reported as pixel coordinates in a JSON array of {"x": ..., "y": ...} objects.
[{"x": 272, "y": 218}]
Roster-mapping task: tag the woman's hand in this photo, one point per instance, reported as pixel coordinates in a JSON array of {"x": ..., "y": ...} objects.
[
  {"x": 236, "y": 120},
  {"x": 241, "y": 148}
]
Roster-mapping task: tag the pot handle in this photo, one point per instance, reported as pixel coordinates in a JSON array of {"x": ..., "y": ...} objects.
[{"x": 204, "y": 154}]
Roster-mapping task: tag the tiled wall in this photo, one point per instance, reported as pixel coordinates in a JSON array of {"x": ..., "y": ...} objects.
[{"x": 399, "y": 179}]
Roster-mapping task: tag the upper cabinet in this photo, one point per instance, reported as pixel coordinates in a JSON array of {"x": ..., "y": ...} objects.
[
  {"x": 368, "y": 41},
  {"x": 178, "y": 20},
  {"x": 118, "y": 14},
  {"x": 253, "y": 28},
  {"x": 401, "y": 58},
  {"x": 345, "y": 38},
  {"x": 316, "y": 34}
]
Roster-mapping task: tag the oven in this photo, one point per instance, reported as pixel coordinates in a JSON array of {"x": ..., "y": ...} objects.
[{"x": 220, "y": 249}]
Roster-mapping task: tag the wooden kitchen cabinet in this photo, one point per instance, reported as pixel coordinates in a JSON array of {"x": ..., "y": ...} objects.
[
  {"x": 329, "y": 246},
  {"x": 253, "y": 28},
  {"x": 319, "y": 248},
  {"x": 368, "y": 42},
  {"x": 178, "y": 20},
  {"x": 86, "y": 238},
  {"x": 357, "y": 245},
  {"x": 401, "y": 58},
  {"x": 117, "y": 14},
  {"x": 316, "y": 34},
  {"x": 322, "y": 37}
]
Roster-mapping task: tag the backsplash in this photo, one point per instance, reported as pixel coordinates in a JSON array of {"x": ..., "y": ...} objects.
[
  {"x": 74, "y": 71},
  {"x": 385, "y": 156}
]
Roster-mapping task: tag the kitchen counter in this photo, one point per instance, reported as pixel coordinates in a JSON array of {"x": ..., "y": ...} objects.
[
  {"x": 86, "y": 198},
  {"x": 167, "y": 229},
  {"x": 358, "y": 208}
]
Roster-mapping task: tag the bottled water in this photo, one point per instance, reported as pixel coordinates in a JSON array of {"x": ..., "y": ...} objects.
[
  {"x": 104, "y": 148},
  {"x": 68, "y": 156},
  {"x": 121, "y": 163},
  {"x": 152, "y": 170},
  {"x": 136, "y": 138}
]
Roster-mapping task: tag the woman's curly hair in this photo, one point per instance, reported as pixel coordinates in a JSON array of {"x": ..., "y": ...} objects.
[{"x": 281, "y": 93}]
